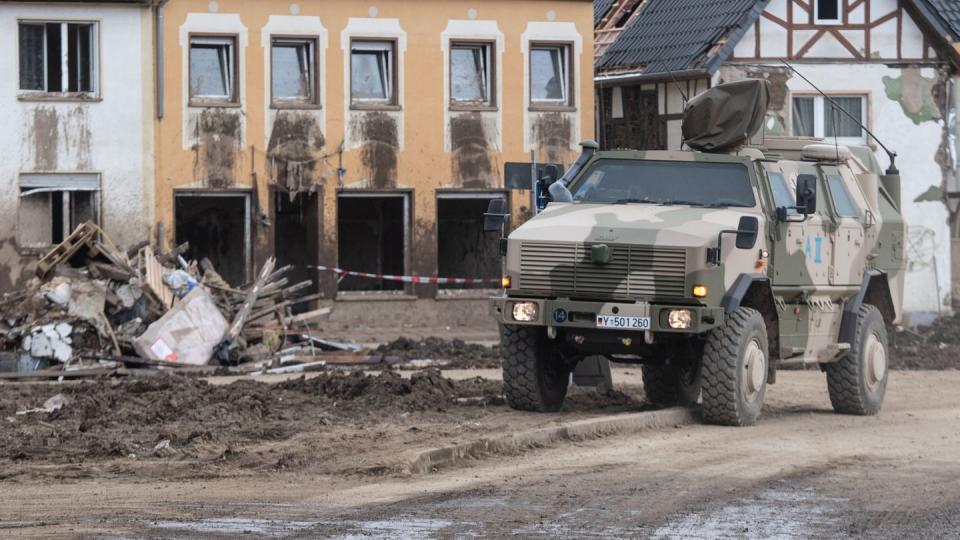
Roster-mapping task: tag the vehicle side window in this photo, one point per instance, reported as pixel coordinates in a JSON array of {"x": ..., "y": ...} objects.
[
  {"x": 842, "y": 202},
  {"x": 782, "y": 194}
]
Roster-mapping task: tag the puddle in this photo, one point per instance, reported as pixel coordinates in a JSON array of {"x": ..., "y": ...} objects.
[
  {"x": 774, "y": 514},
  {"x": 400, "y": 528},
  {"x": 235, "y": 526}
]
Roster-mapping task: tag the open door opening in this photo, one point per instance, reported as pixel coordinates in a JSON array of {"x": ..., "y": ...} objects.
[
  {"x": 217, "y": 226},
  {"x": 297, "y": 238},
  {"x": 372, "y": 238}
]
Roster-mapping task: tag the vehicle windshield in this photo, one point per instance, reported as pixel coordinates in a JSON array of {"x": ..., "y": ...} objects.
[{"x": 695, "y": 183}]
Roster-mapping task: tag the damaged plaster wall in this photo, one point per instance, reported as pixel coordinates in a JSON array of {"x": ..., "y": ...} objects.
[
  {"x": 902, "y": 112},
  {"x": 105, "y": 135}
]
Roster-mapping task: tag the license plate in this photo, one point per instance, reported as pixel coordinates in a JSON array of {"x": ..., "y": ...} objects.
[{"x": 623, "y": 323}]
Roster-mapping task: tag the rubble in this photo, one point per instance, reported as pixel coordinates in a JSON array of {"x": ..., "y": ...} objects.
[
  {"x": 93, "y": 308},
  {"x": 439, "y": 352},
  {"x": 936, "y": 346}
]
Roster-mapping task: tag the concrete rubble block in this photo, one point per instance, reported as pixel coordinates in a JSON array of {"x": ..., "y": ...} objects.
[
  {"x": 87, "y": 300},
  {"x": 187, "y": 333},
  {"x": 50, "y": 341}
]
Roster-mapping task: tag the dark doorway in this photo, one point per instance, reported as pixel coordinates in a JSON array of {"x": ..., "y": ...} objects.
[
  {"x": 217, "y": 228},
  {"x": 638, "y": 126},
  {"x": 371, "y": 238},
  {"x": 297, "y": 238},
  {"x": 463, "y": 249}
]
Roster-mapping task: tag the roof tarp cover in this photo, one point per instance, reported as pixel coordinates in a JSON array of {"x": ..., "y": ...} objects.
[{"x": 726, "y": 116}]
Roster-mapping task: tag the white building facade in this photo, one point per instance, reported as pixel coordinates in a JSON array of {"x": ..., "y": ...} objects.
[
  {"x": 874, "y": 59},
  {"x": 77, "y": 143}
]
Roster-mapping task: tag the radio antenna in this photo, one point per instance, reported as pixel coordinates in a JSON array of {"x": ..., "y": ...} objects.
[{"x": 892, "y": 169}]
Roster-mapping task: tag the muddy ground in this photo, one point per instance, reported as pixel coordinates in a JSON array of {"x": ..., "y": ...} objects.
[
  {"x": 182, "y": 426},
  {"x": 802, "y": 472},
  {"x": 928, "y": 347},
  {"x": 453, "y": 354}
]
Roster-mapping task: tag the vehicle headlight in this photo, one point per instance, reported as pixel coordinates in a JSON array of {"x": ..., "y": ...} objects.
[
  {"x": 679, "y": 319},
  {"x": 524, "y": 311}
]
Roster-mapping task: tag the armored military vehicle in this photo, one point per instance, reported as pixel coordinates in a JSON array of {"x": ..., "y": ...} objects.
[{"x": 710, "y": 267}]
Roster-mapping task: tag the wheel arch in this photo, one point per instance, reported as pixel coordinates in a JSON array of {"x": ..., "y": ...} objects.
[
  {"x": 754, "y": 291},
  {"x": 874, "y": 290}
]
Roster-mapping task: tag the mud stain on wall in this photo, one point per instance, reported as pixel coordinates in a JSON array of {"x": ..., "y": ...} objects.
[
  {"x": 217, "y": 147},
  {"x": 11, "y": 265},
  {"x": 551, "y": 134},
  {"x": 46, "y": 138},
  {"x": 471, "y": 162},
  {"x": 294, "y": 144},
  {"x": 379, "y": 147},
  {"x": 78, "y": 119}
]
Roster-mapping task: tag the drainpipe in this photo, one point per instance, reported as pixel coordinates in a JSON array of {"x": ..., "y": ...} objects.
[{"x": 159, "y": 57}]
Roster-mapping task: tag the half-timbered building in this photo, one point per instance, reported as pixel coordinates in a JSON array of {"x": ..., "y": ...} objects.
[{"x": 889, "y": 64}]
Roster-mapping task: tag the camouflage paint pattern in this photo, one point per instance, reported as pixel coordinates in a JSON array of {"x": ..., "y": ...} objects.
[{"x": 658, "y": 253}]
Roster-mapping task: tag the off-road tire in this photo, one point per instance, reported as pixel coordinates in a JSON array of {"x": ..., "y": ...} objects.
[
  {"x": 849, "y": 380},
  {"x": 663, "y": 385},
  {"x": 725, "y": 366},
  {"x": 535, "y": 377}
]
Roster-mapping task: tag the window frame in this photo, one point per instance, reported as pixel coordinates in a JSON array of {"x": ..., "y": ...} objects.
[
  {"x": 313, "y": 101},
  {"x": 820, "y": 106},
  {"x": 827, "y": 22},
  {"x": 490, "y": 76},
  {"x": 568, "y": 104},
  {"x": 393, "y": 76},
  {"x": 62, "y": 95},
  {"x": 50, "y": 185},
  {"x": 233, "y": 79}
]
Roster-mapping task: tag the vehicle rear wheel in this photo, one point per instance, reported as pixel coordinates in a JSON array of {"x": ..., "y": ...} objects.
[
  {"x": 734, "y": 370},
  {"x": 858, "y": 382},
  {"x": 672, "y": 384},
  {"x": 535, "y": 376}
]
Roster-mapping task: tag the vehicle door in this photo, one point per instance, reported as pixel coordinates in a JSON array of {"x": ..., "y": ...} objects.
[
  {"x": 801, "y": 251},
  {"x": 848, "y": 233}
]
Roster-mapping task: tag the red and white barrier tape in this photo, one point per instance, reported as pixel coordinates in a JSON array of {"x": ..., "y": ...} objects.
[{"x": 408, "y": 279}]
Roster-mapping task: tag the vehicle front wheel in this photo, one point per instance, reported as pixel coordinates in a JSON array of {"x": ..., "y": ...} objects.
[
  {"x": 672, "y": 384},
  {"x": 734, "y": 369},
  {"x": 535, "y": 376},
  {"x": 858, "y": 381}
]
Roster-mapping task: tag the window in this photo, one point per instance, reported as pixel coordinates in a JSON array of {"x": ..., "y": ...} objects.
[
  {"x": 58, "y": 57},
  {"x": 372, "y": 72},
  {"x": 782, "y": 194},
  {"x": 213, "y": 69},
  {"x": 293, "y": 71},
  {"x": 693, "y": 183},
  {"x": 814, "y": 116},
  {"x": 842, "y": 202},
  {"x": 827, "y": 11},
  {"x": 550, "y": 75},
  {"x": 471, "y": 75},
  {"x": 53, "y": 205}
]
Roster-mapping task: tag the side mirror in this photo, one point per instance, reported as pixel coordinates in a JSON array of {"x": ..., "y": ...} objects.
[
  {"x": 560, "y": 193},
  {"x": 551, "y": 173},
  {"x": 747, "y": 232},
  {"x": 807, "y": 194},
  {"x": 496, "y": 215}
]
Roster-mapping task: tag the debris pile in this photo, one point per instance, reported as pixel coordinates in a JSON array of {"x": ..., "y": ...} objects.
[
  {"x": 928, "y": 347},
  {"x": 94, "y": 308}
]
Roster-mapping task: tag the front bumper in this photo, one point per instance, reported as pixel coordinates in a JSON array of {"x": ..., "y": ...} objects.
[{"x": 560, "y": 313}]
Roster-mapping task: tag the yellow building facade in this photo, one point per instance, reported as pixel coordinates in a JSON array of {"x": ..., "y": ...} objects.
[{"x": 368, "y": 136}]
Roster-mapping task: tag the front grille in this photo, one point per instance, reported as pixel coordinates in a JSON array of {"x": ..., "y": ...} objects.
[{"x": 567, "y": 269}]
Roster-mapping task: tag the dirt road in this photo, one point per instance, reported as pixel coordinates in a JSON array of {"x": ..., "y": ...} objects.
[{"x": 802, "y": 472}]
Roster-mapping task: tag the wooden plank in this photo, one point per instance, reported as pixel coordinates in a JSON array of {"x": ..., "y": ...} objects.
[
  {"x": 310, "y": 316},
  {"x": 66, "y": 249},
  {"x": 153, "y": 273}
]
